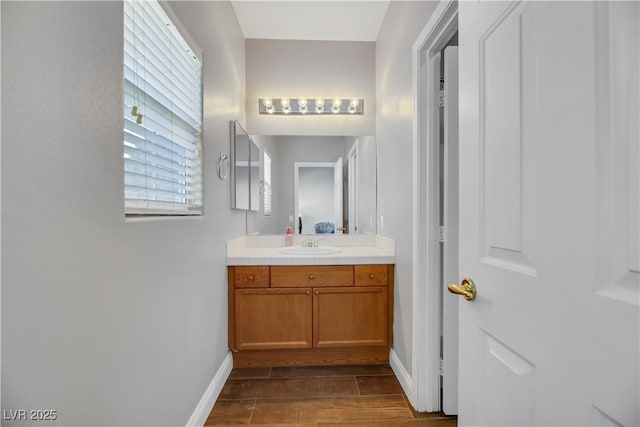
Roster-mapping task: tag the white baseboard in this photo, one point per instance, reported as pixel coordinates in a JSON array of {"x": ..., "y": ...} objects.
[
  {"x": 403, "y": 376},
  {"x": 200, "y": 414}
]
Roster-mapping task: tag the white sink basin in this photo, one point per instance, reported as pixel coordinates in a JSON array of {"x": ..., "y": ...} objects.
[{"x": 318, "y": 250}]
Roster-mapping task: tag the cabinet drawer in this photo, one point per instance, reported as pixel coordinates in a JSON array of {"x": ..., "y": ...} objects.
[
  {"x": 305, "y": 276},
  {"x": 371, "y": 275},
  {"x": 251, "y": 277}
]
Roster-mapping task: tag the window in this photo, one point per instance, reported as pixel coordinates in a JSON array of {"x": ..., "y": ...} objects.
[
  {"x": 162, "y": 114},
  {"x": 266, "y": 184}
]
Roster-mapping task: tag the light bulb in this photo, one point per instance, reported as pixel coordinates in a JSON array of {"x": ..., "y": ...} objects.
[
  {"x": 285, "y": 102},
  {"x": 355, "y": 102},
  {"x": 302, "y": 105},
  {"x": 268, "y": 102},
  {"x": 319, "y": 105},
  {"x": 336, "y": 106}
]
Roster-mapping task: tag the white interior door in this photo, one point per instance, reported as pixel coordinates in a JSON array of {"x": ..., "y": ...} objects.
[
  {"x": 352, "y": 182},
  {"x": 450, "y": 244},
  {"x": 549, "y": 213},
  {"x": 337, "y": 194}
]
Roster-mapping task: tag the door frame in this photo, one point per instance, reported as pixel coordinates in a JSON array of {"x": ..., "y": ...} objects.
[{"x": 424, "y": 389}]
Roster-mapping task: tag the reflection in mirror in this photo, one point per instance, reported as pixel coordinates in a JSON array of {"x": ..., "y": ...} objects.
[
  {"x": 254, "y": 176},
  {"x": 357, "y": 203},
  {"x": 317, "y": 191},
  {"x": 245, "y": 174}
]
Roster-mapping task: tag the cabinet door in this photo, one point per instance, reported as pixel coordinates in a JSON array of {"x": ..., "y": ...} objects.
[
  {"x": 347, "y": 317},
  {"x": 273, "y": 318}
]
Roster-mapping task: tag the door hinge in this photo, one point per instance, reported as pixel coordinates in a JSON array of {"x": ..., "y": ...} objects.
[
  {"x": 441, "y": 99},
  {"x": 441, "y": 234},
  {"x": 441, "y": 367}
]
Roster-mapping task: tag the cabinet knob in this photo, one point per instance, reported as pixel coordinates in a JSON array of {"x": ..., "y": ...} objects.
[
  {"x": 252, "y": 277},
  {"x": 371, "y": 275},
  {"x": 317, "y": 292},
  {"x": 307, "y": 293},
  {"x": 311, "y": 277}
]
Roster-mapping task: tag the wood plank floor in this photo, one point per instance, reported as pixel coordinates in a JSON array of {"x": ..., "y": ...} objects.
[{"x": 319, "y": 396}]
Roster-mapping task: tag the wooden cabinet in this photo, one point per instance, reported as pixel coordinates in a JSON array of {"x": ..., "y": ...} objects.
[
  {"x": 348, "y": 317},
  {"x": 273, "y": 318},
  {"x": 310, "y": 315}
]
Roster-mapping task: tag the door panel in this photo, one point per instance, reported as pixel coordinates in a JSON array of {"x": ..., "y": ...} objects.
[
  {"x": 616, "y": 292},
  {"x": 549, "y": 213},
  {"x": 510, "y": 377},
  {"x": 508, "y": 183},
  {"x": 619, "y": 187}
]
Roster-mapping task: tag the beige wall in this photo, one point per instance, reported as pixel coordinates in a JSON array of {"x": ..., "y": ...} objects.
[
  {"x": 279, "y": 68},
  {"x": 106, "y": 320},
  {"x": 394, "y": 121}
]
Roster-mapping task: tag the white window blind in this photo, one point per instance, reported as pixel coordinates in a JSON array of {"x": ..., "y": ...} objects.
[
  {"x": 162, "y": 114},
  {"x": 266, "y": 184}
]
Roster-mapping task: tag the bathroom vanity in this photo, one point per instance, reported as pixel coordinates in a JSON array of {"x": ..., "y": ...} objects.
[{"x": 310, "y": 309}]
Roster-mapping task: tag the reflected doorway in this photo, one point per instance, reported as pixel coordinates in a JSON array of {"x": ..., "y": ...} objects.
[{"x": 318, "y": 197}]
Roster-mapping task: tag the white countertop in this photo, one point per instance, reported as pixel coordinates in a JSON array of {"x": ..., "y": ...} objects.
[{"x": 266, "y": 250}]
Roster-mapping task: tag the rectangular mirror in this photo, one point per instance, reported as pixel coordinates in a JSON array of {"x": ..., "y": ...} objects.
[
  {"x": 349, "y": 201},
  {"x": 245, "y": 169}
]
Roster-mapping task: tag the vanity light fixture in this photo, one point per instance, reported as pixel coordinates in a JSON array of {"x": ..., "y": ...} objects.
[{"x": 301, "y": 106}]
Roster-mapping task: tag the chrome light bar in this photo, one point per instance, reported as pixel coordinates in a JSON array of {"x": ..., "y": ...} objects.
[{"x": 308, "y": 106}]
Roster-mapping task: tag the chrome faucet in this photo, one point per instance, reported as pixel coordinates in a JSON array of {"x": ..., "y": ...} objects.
[{"x": 310, "y": 243}]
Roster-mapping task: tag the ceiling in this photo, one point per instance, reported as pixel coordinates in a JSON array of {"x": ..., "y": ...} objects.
[{"x": 311, "y": 19}]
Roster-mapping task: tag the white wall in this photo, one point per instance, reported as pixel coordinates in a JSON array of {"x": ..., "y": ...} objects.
[
  {"x": 291, "y": 68},
  {"x": 109, "y": 321},
  {"x": 402, "y": 24}
]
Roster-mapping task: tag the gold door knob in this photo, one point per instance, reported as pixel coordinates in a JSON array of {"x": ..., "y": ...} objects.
[
  {"x": 311, "y": 276},
  {"x": 252, "y": 277},
  {"x": 467, "y": 289},
  {"x": 372, "y": 276}
]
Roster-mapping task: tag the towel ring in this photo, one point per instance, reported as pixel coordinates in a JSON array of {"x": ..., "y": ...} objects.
[{"x": 223, "y": 166}]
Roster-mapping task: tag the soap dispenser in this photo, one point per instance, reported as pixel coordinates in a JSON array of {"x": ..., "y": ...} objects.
[{"x": 288, "y": 238}]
